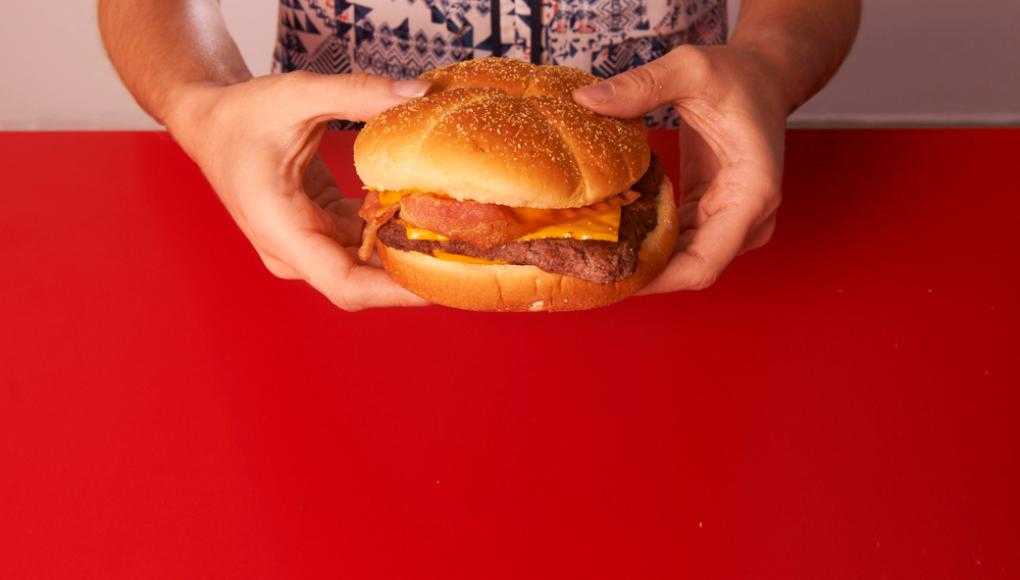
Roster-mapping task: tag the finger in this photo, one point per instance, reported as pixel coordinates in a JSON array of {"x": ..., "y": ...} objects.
[
  {"x": 646, "y": 88},
  {"x": 711, "y": 248},
  {"x": 760, "y": 235},
  {"x": 684, "y": 238},
  {"x": 373, "y": 260},
  {"x": 355, "y": 97},
  {"x": 319, "y": 182},
  {"x": 328, "y": 268},
  {"x": 348, "y": 224},
  {"x": 277, "y": 267},
  {"x": 300, "y": 234},
  {"x": 688, "y": 214},
  {"x": 321, "y": 187}
]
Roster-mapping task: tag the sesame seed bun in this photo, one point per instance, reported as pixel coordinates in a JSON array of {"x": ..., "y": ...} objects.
[
  {"x": 501, "y": 131},
  {"x": 528, "y": 288}
]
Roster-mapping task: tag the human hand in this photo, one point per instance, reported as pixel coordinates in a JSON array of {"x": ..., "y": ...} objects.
[
  {"x": 256, "y": 143},
  {"x": 731, "y": 142}
]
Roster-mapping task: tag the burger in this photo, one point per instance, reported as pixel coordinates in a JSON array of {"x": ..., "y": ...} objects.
[{"x": 496, "y": 191}]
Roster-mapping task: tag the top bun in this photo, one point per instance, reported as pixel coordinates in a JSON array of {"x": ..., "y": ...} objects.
[{"x": 501, "y": 131}]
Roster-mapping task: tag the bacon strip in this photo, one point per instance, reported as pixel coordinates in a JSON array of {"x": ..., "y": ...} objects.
[
  {"x": 485, "y": 225},
  {"x": 375, "y": 216},
  {"x": 488, "y": 225}
]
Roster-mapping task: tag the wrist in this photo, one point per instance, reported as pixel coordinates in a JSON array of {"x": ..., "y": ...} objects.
[
  {"x": 781, "y": 67},
  {"x": 187, "y": 105},
  {"x": 762, "y": 78}
]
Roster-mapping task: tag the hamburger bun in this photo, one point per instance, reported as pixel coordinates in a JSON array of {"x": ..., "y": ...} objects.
[{"x": 506, "y": 132}]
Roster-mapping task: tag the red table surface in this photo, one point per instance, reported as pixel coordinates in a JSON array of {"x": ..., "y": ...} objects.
[{"x": 842, "y": 404}]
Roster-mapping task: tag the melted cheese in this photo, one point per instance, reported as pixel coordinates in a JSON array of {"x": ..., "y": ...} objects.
[
  {"x": 588, "y": 223},
  {"x": 600, "y": 221},
  {"x": 464, "y": 259},
  {"x": 415, "y": 233},
  {"x": 388, "y": 198}
]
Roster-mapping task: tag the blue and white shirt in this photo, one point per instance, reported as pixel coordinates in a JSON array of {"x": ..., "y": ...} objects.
[{"x": 403, "y": 38}]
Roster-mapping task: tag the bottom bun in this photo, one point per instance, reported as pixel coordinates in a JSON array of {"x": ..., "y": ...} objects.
[{"x": 528, "y": 288}]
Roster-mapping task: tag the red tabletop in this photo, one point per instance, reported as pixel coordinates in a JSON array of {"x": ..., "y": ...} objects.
[{"x": 842, "y": 404}]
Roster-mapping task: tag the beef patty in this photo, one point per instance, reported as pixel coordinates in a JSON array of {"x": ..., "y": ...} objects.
[{"x": 594, "y": 260}]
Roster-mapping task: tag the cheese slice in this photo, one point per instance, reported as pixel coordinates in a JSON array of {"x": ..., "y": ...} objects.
[
  {"x": 388, "y": 198},
  {"x": 415, "y": 233},
  {"x": 600, "y": 221},
  {"x": 588, "y": 223}
]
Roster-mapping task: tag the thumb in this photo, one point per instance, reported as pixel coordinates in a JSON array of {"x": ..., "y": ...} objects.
[
  {"x": 640, "y": 90},
  {"x": 353, "y": 97}
]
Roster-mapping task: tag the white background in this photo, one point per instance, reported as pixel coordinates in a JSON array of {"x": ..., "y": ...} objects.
[{"x": 916, "y": 62}]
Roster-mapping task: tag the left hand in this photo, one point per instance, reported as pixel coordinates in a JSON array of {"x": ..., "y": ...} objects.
[
  {"x": 256, "y": 143},
  {"x": 734, "y": 119}
]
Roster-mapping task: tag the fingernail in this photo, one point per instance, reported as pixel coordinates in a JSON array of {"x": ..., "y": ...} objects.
[
  {"x": 597, "y": 93},
  {"x": 410, "y": 89}
]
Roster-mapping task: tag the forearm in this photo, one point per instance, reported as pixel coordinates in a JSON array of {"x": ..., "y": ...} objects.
[
  {"x": 161, "y": 48},
  {"x": 803, "y": 42}
]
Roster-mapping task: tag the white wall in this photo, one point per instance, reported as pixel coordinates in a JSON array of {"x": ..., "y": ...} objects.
[
  {"x": 917, "y": 61},
  {"x": 55, "y": 74},
  {"x": 928, "y": 62}
]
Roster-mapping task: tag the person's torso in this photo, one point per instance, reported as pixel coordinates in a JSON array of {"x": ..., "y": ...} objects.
[{"x": 403, "y": 38}]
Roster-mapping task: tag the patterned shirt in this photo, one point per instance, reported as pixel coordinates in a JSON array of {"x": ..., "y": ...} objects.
[{"x": 403, "y": 38}]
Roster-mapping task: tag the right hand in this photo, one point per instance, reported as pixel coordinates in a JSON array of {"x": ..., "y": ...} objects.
[{"x": 256, "y": 143}]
